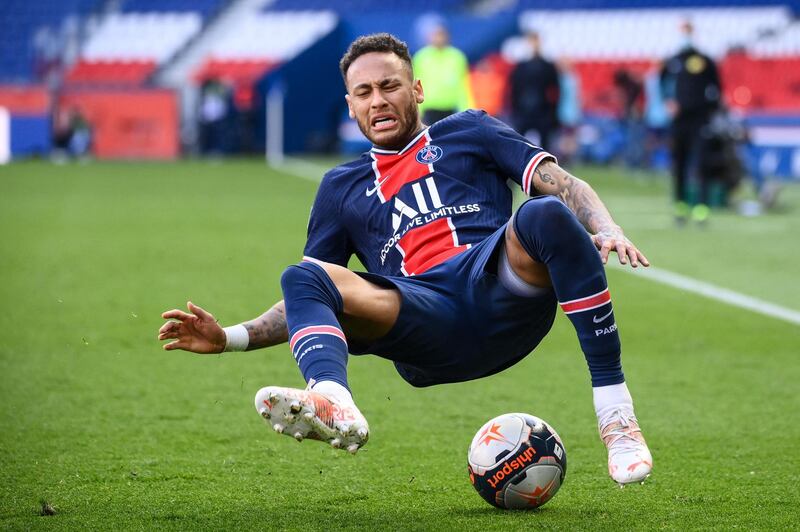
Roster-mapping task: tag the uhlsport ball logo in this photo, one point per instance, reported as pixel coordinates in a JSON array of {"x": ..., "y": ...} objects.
[
  {"x": 517, "y": 461},
  {"x": 429, "y": 154}
]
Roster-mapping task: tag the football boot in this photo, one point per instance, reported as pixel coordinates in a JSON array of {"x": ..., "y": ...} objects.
[
  {"x": 629, "y": 459},
  {"x": 306, "y": 414}
]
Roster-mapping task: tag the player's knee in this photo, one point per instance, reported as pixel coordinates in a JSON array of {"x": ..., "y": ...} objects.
[
  {"x": 547, "y": 210},
  {"x": 545, "y": 217},
  {"x": 545, "y": 226},
  {"x": 294, "y": 275},
  {"x": 308, "y": 279}
]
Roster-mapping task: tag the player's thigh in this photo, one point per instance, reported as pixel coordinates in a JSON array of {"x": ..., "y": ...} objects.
[
  {"x": 529, "y": 270},
  {"x": 370, "y": 311}
]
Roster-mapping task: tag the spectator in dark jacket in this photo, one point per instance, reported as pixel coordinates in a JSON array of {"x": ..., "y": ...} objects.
[
  {"x": 690, "y": 82},
  {"x": 534, "y": 96}
]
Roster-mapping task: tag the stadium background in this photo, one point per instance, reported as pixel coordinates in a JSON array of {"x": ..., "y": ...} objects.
[{"x": 101, "y": 429}]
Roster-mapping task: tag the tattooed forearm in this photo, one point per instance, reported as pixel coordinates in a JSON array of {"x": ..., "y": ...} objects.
[
  {"x": 269, "y": 328},
  {"x": 587, "y": 206},
  {"x": 551, "y": 179}
]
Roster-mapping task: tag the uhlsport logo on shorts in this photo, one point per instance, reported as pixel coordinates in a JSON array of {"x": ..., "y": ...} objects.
[{"x": 429, "y": 154}]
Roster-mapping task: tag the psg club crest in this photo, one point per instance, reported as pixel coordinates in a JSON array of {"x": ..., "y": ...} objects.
[{"x": 429, "y": 154}]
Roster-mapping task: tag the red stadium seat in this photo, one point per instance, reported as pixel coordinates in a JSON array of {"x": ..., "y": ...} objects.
[
  {"x": 127, "y": 73},
  {"x": 234, "y": 71}
]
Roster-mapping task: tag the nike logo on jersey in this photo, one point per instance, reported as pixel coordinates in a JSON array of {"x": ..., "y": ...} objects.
[
  {"x": 371, "y": 191},
  {"x": 601, "y": 318}
]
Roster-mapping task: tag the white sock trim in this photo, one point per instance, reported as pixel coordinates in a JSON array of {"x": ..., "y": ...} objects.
[
  {"x": 333, "y": 389},
  {"x": 236, "y": 338},
  {"x": 608, "y": 397}
]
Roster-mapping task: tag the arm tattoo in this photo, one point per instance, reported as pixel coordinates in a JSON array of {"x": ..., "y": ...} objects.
[
  {"x": 545, "y": 177},
  {"x": 576, "y": 194},
  {"x": 269, "y": 328}
]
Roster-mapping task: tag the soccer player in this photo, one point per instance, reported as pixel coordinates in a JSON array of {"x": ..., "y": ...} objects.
[{"x": 458, "y": 288}]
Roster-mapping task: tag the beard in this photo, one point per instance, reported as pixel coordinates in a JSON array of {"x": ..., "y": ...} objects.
[{"x": 408, "y": 120}]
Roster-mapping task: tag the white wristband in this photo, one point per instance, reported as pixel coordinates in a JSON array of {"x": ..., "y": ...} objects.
[{"x": 236, "y": 338}]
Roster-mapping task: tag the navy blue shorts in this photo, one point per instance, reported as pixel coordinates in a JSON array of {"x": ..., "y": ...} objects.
[{"x": 457, "y": 321}]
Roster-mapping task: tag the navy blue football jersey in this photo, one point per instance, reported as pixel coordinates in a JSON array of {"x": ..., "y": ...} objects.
[{"x": 404, "y": 212}]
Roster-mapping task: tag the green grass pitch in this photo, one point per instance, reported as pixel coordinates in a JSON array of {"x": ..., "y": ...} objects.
[{"x": 102, "y": 426}]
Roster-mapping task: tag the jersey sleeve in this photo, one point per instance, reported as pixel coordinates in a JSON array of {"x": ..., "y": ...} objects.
[
  {"x": 327, "y": 239},
  {"x": 514, "y": 155}
]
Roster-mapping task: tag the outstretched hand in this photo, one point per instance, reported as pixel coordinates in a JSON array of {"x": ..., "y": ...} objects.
[
  {"x": 197, "y": 332},
  {"x": 614, "y": 240}
]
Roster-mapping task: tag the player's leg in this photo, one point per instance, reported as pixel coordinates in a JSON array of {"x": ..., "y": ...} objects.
[
  {"x": 680, "y": 145},
  {"x": 697, "y": 170},
  {"x": 546, "y": 245},
  {"x": 326, "y": 304}
]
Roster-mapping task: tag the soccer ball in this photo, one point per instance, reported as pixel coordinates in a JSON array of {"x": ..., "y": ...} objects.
[{"x": 517, "y": 461}]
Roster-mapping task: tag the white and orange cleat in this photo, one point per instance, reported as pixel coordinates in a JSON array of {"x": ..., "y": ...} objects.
[
  {"x": 629, "y": 459},
  {"x": 308, "y": 414}
]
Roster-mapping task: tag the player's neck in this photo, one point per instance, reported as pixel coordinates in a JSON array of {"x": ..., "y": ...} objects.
[{"x": 405, "y": 142}]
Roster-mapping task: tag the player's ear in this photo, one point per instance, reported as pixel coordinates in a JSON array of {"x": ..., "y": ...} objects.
[
  {"x": 419, "y": 94},
  {"x": 349, "y": 106}
]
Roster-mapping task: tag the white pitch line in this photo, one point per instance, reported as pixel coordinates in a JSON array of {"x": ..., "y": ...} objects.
[
  {"x": 302, "y": 169},
  {"x": 711, "y": 291}
]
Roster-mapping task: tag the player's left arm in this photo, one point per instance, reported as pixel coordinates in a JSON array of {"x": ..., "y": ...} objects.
[{"x": 580, "y": 197}]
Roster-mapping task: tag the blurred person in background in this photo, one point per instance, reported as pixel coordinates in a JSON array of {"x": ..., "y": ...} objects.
[
  {"x": 215, "y": 108},
  {"x": 488, "y": 83},
  {"x": 691, "y": 85},
  {"x": 534, "y": 96},
  {"x": 444, "y": 70},
  {"x": 569, "y": 110},
  {"x": 630, "y": 94},
  {"x": 72, "y": 135},
  {"x": 656, "y": 119}
]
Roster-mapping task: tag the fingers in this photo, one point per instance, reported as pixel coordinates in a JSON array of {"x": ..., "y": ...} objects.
[
  {"x": 176, "y": 314},
  {"x": 633, "y": 254},
  {"x": 171, "y": 329},
  {"x": 177, "y": 344},
  {"x": 605, "y": 249},
  {"x": 642, "y": 259},
  {"x": 622, "y": 251},
  {"x": 169, "y": 326},
  {"x": 199, "y": 312}
]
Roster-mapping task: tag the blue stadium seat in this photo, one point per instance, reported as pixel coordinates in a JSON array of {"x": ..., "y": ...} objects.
[
  {"x": 19, "y": 21},
  {"x": 634, "y": 4},
  {"x": 205, "y": 7},
  {"x": 371, "y": 6}
]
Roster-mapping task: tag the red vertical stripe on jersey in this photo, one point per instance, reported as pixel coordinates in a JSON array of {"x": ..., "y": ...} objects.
[
  {"x": 586, "y": 303},
  {"x": 392, "y": 171},
  {"x": 429, "y": 245}
]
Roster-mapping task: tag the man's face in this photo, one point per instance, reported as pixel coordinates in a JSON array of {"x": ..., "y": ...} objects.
[{"x": 383, "y": 99}]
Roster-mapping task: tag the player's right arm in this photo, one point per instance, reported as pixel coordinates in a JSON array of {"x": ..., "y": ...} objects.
[{"x": 198, "y": 331}]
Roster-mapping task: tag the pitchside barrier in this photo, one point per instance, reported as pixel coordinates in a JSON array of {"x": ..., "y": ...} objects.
[
  {"x": 25, "y": 129},
  {"x": 128, "y": 123}
]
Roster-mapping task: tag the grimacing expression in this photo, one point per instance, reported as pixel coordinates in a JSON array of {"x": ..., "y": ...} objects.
[{"x": 383, "y": 98}]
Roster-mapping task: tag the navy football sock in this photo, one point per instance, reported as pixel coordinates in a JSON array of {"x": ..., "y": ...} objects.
[
  {"x": 552, "y": 234},
  {"x": 315, "y": 336}
]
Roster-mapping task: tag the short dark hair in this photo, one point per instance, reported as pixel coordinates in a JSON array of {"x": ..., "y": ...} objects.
[{"x": 377, "y": 42}]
